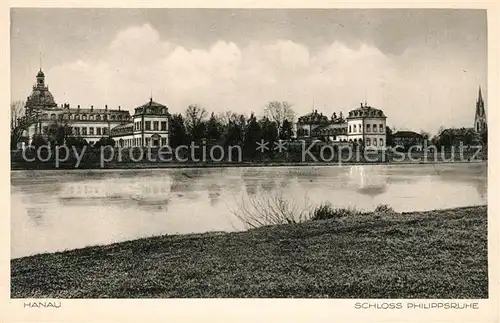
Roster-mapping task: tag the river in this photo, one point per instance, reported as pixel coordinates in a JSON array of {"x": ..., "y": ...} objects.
[{"x": 61, "y": 210}]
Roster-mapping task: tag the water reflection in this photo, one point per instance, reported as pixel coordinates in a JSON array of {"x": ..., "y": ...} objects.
[{"x": 71, "y": 209}]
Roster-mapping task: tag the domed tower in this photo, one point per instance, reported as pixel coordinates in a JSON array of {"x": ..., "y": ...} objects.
[
  {"x": 40, "y": 97},
  {"x": 480, "y": 124}
]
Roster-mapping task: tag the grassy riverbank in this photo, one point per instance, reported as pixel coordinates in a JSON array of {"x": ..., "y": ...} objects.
[{"x": 435, "y": 254}]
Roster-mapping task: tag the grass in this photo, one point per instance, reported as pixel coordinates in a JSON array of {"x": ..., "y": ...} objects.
[{"x": 435, "y": 254}]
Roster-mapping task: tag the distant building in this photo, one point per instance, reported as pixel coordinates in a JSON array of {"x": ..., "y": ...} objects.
[
  {"x": 407, "y": 139},
  {"x": 366, "y": 126},
  {"x": 90, "y": 124},
  {"x": 480, "y": 123},
  {"x": 149, "y": 127},
  {"x": 468, "y": 136}
]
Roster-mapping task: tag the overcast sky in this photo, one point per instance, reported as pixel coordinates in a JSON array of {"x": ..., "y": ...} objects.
[{"x": 422, "y": 67}]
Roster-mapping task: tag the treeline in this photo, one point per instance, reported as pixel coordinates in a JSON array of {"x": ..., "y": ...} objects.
[{"x": 232, "y": 129}]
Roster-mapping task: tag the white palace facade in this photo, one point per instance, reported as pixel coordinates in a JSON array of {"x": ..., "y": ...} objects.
[
  {"x": 364, "y": 126},
  {"x": 147, "y": 127}
]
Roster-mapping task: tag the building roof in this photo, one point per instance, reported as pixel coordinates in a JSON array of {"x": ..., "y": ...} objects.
[
  {"x": 458, "y": 131},
  {"x": 366, "y": 111},
  {"x": 40, "y": 95},
  {"x": 412, "y": 134},
  {"x": 332, "y": 129},
  {"x": 123, "y": 128},
  {"x": 151, "y": 104},
  {"x": 313, "y": 118}
]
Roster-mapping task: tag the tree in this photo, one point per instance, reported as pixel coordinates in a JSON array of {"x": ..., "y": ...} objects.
[
  {"x": 269, "y": 131},
  {"x": 16, "y": 111},
  {"x": 38, "y": 140},
  {"x": 178, "y": 134},
  {"x": 57, "y": 132},
  {"x": 484, "y": 137},
  {"x": 389, "y": 139},
  {"x": 195, "y": 122},
  {"x": 105, "y": 141},
  {"x": 425, "y": 135},
  {"x": 286, "y": 130},
  {"x": 214, "y": 129},
  {"x": 279, "y": 112},
  {"x": 78, "y": 142},
  {"x": 253, "y": 134}
]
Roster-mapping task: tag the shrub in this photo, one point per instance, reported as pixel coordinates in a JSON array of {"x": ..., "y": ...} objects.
[
  {"x": 384, "y": 208},
  {"x": 269, "y": 209},
  {"x": 326, "y": 211}
]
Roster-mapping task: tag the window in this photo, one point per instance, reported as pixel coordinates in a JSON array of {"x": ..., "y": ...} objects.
[
  {"x": 350, "y": 129},
  {"x": 155, "y": 125},
  {"x": 113, "y": 117},
  {"x": 163, "y": 141},
  {"x": 147, "y": 141},
  {"x": 45, "y": 116},
  {"x": 45, "y": 130},
  {"x": 374, "y": 141},
  {"x": 53, "y": 116},
  {"x": 381, "y": 128},
  {"x": 368, "y": 141},
  {"x": 368, "y": 128},
  {"x": 381, "y": 142},
  {"x": 84, "y": 131},
  {"x": 355, "y": 130},
  {"x": 163, "y": 126},
  {"x": 148, "y": 125},
  {"x": 84, "y": 117},
  {"x": 98, "y": 130},
  {"x": 98, "y": 117},
  {"x": 105, "y": 117},
  {"x": 91, "y": 130},
  {"x": 104, "y": 131},
  {"x": 77, "y": 117},
  {"x": 91, "y": 117}
]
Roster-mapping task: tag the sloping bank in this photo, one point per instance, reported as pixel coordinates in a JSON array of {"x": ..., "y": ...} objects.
[{"x": 435, "y": 254}]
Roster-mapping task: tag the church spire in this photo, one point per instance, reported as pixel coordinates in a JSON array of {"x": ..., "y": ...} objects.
[{"x": 480, "y": 96}]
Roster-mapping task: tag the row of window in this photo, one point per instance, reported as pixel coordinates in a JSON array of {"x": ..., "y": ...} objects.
[
  {"x": 369, "y": 128},
  {"x": 134, "y": 142},
  {"x": 90, "y": 131},
  {"x": 374, "y": 142},
  {"x": 147, "y": 126},
  {"x": 83, "y": 131},
  {"x": 91, "y": 117}
]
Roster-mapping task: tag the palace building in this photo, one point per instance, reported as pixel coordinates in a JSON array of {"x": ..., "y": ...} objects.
[
  {"x": 364, "y": 126},
  {"x": 147, "y": 127}
]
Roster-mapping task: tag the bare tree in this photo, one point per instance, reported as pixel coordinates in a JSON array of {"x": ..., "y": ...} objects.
[
  {"x": 195, "y": 121},
  {"x": 16, "y": 110},
  {"x": 426, "y": 135},
  {"x": 279, "y": 112}
]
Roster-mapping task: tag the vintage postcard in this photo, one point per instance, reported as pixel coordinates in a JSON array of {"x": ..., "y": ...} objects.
[{"x": 321, "y": 161}]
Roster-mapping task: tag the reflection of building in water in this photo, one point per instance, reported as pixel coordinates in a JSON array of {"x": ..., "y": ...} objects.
[
  {"x": 117, "y": 190},
  {"x": 36, "y": 214},
  {"x": 368, "y": 181}
]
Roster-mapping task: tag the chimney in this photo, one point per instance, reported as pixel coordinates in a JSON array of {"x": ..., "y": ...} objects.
[
  {"x": 106, "y": 107},
  {"x": 119, "y": 108},
  {"x": 91, "y": 108}
]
